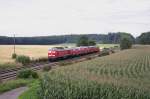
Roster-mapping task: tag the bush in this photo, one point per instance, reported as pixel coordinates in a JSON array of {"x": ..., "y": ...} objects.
[
  {"x": 23, "y": 59},
  {"x": 43, "y": 59},
  {"x": 26, "y": 73},
  {"x": 112, "y": 51},
  {"x": 104, "y": 52},
  {"x": 14, "y": 56},
  {"x": 34, "y": 74},
  {"x": 46, "y": 68},
  {"x": 125, "y": 43}
]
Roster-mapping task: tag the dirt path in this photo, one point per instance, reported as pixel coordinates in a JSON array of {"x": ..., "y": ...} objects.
[{"x": 13, "y": 94}]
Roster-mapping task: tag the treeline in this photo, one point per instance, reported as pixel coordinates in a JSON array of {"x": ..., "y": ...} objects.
[
  {"x": 45, "y": 40},
  {"x": 144, "y": 38}
]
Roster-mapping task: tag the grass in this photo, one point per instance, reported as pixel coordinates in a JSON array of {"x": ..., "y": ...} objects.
[
  {"x": 32, "y": 92},
  {"x": 33, "y": 51},
  {"x": 9, "y": 65},
  {"x": 123, "y": 75},
  {"x": 12, "y": 84},
  {"x": 107, "y": 45}
]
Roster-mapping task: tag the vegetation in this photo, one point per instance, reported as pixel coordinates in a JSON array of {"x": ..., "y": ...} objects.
[
  {"x": 104, "y": 52},
  {"x": 144, "y": 38},
  {"x": 126, "y": 35},
  {"x": 41, "y": 59},
  {"x": 51, "y": 88},
  {"x": 111, "y": 38},
  {"x": 23, "y": 59},
  {"x": 92, "y": 42},
  {"x": 84, "y": 41},
  {"x": 34, "y": 75},
  {"x": 65, "y": 63},
  {"x": 9, "y": 85},
  {"x": 47, "y": 68},
  {"x": 14, "y": 56},
  {"x": 108, "y": 45},
  {"x": 125, "y": 43},
  {"x": 123, "y": 75},
  {"x": 35, "y": 52},
  {"x": 32, "y": 92},
  {"x": 27, "y": 73},
  {"x": 9, "y": 65}
]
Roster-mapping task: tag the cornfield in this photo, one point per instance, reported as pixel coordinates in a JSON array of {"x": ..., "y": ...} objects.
[{"x": 123, "y": 75}]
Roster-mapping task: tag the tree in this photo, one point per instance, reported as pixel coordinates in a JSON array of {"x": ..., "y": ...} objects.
[
  {"x": 126, "y": 35},
  {"x": 144, "y": 38},
  {"x": 125, "y": 43},
  {"x": 83, "y": 41},
  {"x": 92, "y": 43},
  {"x": 46, "y": 40}
]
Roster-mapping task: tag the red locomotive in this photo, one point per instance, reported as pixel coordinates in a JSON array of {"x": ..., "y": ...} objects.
[{"x": 61, "y": 53}]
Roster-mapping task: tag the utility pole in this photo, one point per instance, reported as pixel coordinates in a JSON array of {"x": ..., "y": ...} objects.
[{"x": 14, "y": 45}]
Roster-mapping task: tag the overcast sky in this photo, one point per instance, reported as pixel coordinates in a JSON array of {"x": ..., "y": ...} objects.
[{"x": 55, "y": 17}]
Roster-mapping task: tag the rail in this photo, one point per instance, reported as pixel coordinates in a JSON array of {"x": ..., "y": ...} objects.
[{"x": 12, "y": 73}]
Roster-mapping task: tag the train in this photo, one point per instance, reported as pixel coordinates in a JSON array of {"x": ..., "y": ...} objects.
[{"x": 57, "y": 53}]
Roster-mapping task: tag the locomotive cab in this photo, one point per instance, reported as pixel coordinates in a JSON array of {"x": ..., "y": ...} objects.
[{"x": 58, "y": 53}]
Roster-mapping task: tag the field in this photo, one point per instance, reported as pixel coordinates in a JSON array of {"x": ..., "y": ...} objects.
[
  {"x": 107, "y": 45},
  {"x": 123, "y": 75},
  {"x": 34, "y": 51}
]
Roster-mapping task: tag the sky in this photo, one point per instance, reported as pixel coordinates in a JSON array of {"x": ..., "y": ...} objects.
[{"x": 59, "y": 17}]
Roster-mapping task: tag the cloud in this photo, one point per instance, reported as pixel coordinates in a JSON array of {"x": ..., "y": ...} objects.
[{"x": 51, "y": 17}]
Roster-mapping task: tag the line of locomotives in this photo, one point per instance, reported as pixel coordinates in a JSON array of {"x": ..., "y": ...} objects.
[{"x": 58, "y": 53}]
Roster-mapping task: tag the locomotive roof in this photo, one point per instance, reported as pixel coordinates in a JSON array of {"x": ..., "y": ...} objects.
[
  {"x": 59, "y": 48},
  {"x": 62, "y": 48}
]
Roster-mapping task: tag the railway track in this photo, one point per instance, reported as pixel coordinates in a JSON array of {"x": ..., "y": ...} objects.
[{"x": 12, "y": 73}]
